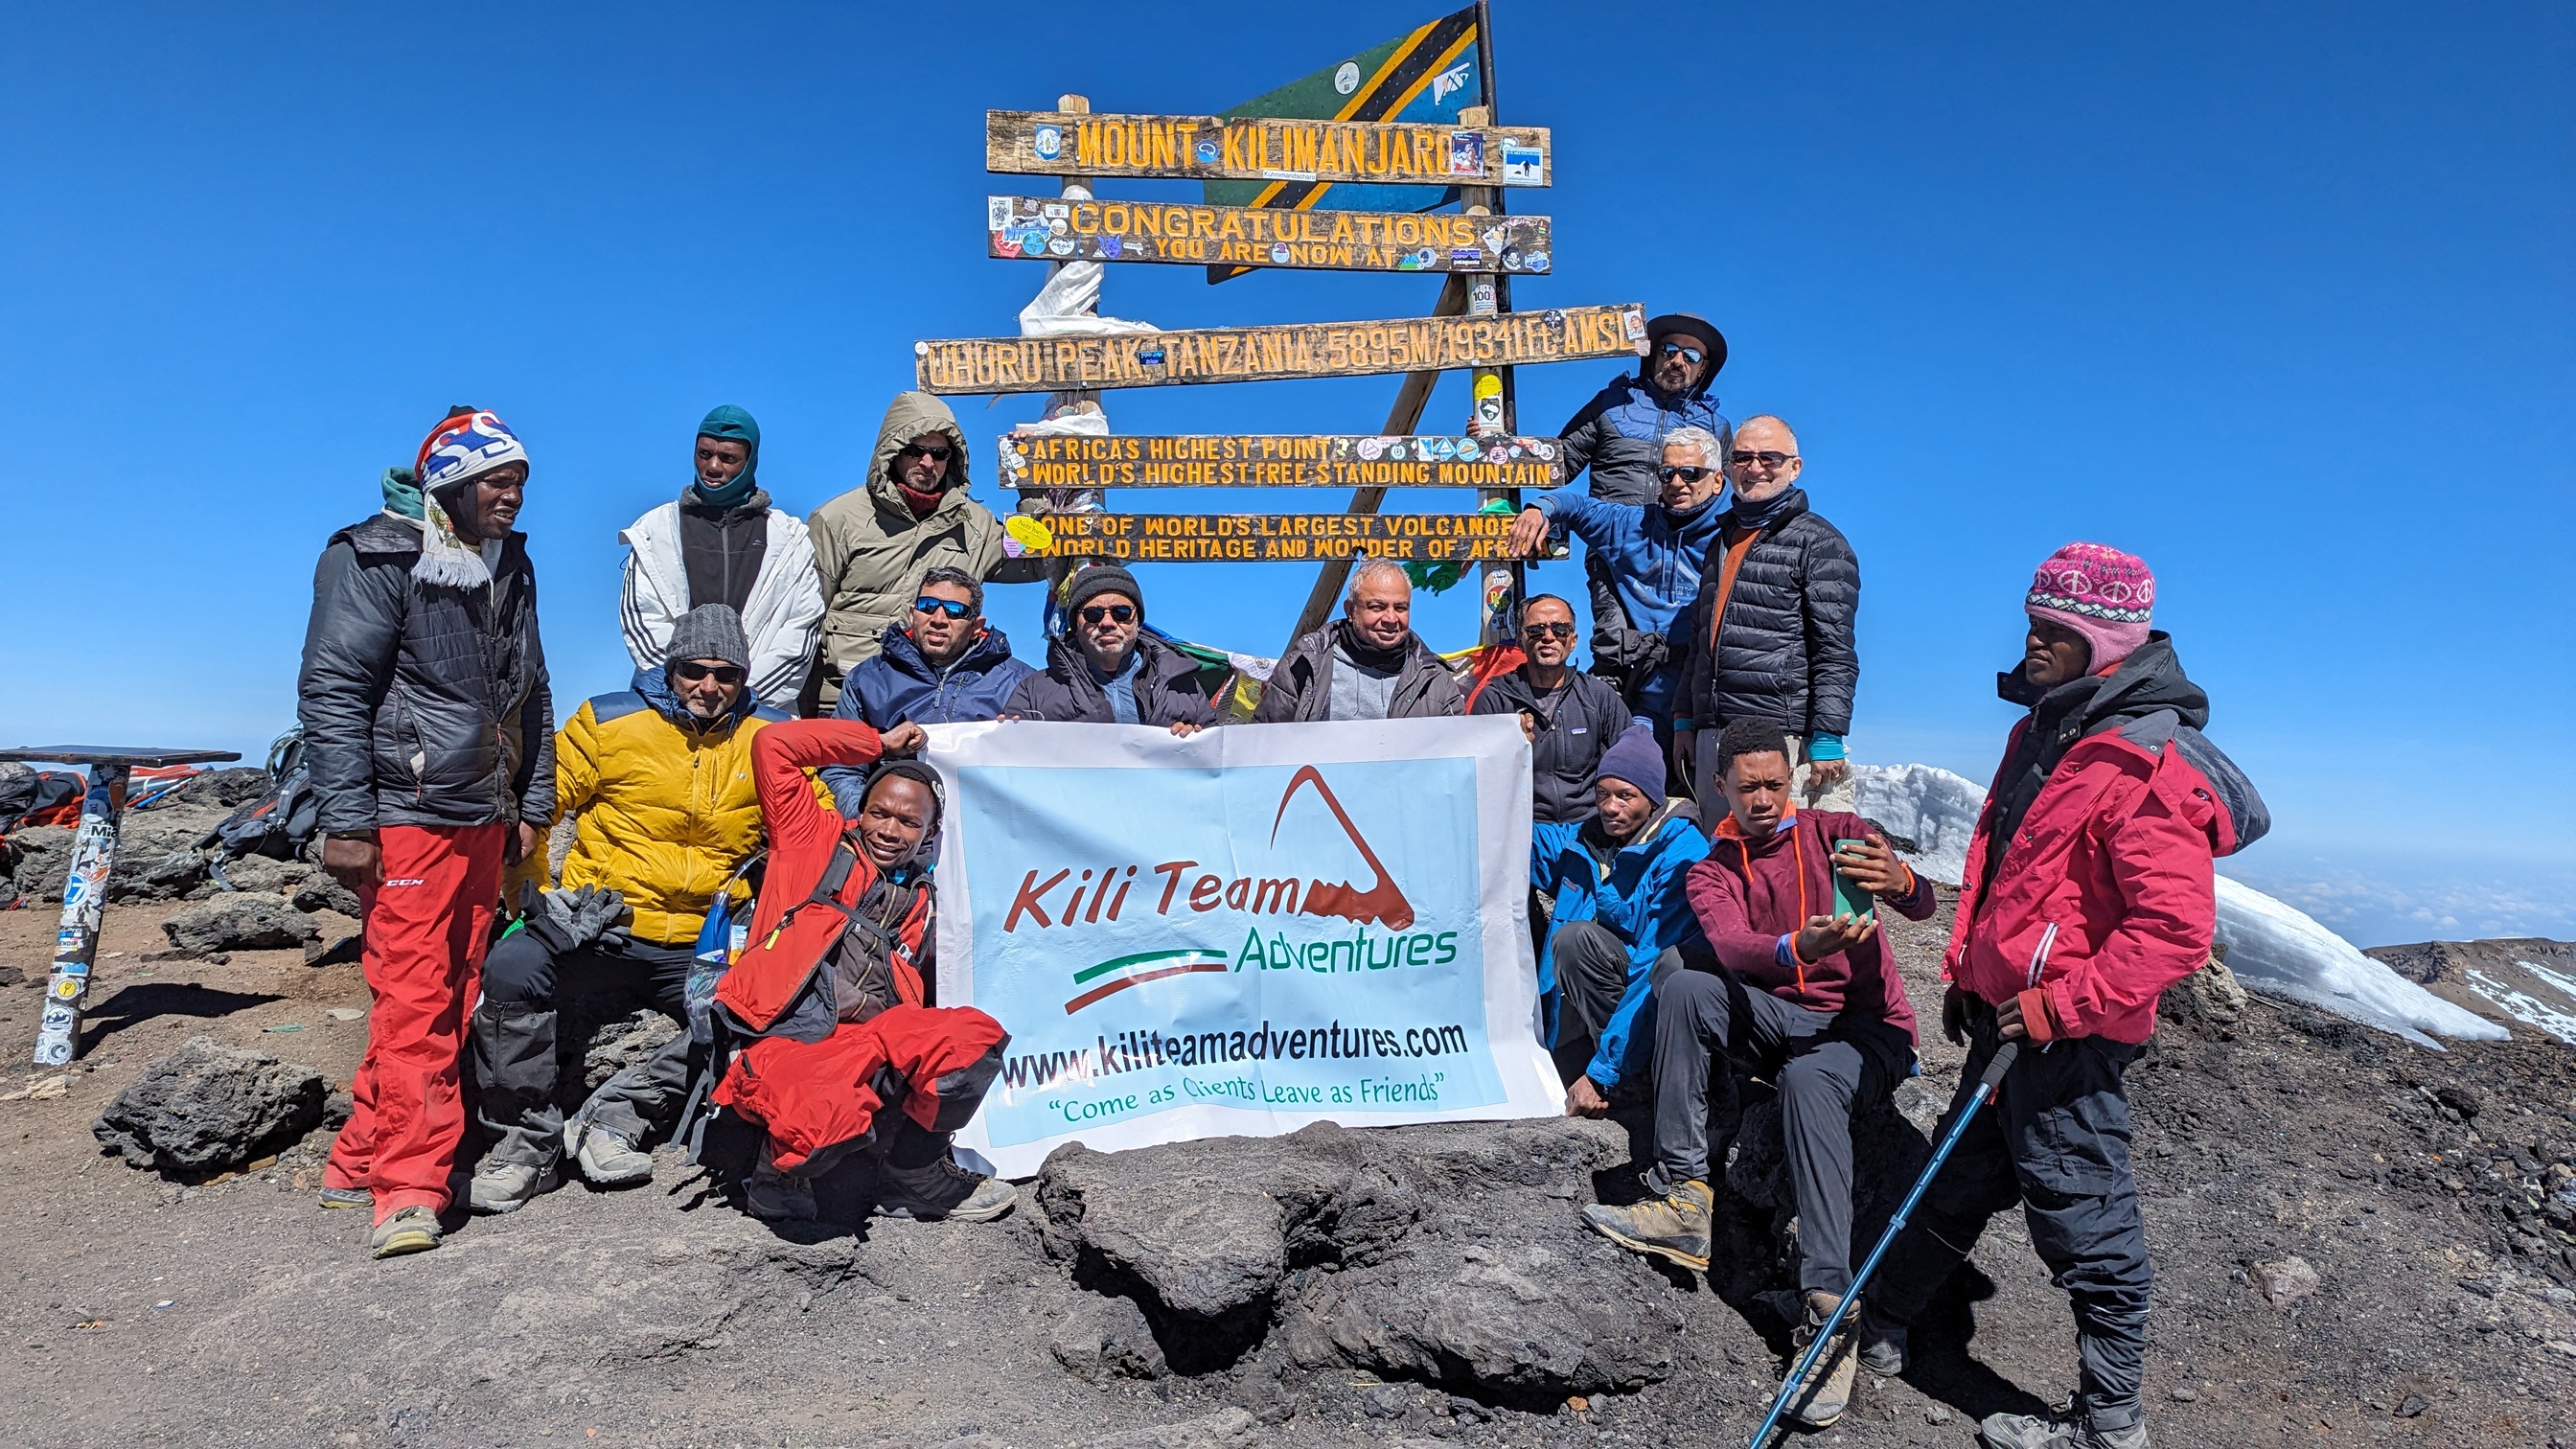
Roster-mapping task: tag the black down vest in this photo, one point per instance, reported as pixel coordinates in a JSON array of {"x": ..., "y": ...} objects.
[{"x": 1785, "y": 650}]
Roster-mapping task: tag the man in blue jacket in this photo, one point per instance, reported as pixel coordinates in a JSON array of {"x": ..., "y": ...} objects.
[
  {"x": 1655, "y": 552},
  {"x": 1619, "y": 437},
  {"x": 942, "y": 666},
  {"x": 1619, "y": 918}
]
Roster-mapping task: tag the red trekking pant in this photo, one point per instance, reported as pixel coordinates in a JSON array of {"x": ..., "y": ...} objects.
[
  {"x": 427, "y": 923},
  {"x": 815, "y": 1096}
]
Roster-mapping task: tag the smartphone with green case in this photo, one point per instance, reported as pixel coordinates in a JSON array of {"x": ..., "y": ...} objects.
[{"x": 1850, "y": 897}]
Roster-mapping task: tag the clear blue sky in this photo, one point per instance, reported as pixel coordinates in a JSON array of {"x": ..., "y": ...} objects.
[{"x": 2276, "y": 296}]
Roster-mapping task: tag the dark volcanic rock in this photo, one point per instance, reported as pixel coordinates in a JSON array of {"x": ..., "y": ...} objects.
[
  {"x": 225, "y": 788},
  {"x": 207, "y": 1107},
  {"x": 319, "y": 892},
  {"x": 1448, "y": 1253},
  {"x": 615, "y": 1044},
  {"x": 239, "y": 922}
]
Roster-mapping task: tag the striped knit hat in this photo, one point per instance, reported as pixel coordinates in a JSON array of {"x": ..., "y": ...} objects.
[{"x": 2099, "y": 592}]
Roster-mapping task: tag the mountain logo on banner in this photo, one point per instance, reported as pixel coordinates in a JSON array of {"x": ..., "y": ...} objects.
[{"x": 1383, "y": 901}]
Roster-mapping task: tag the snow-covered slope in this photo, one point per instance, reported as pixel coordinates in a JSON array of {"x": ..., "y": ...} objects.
[{"x": 2272, "y": 947}]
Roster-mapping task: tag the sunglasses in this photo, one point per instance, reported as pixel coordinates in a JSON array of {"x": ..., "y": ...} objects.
[
  {"x": 1668, "y": 473},
  {"x": 1691, "y": 355},
  {"x": 953, "y": 608},
  {"x": 1773, "y": 461},
  {"x": 692, "y": 671},
  {"x": 934, "y": 453},
  {"x": 1549, "y": 630},
  {"x": 1094, "y": 613}
]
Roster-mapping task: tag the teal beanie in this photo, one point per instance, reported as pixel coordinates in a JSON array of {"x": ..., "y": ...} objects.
[{"x": 733, "y": 423}]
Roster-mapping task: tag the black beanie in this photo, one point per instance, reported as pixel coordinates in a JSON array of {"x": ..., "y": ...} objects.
[{"x": 1103, "y": 579}]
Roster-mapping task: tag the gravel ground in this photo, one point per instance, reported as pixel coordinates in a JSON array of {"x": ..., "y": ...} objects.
[{"x": 2417, "y": 1186}]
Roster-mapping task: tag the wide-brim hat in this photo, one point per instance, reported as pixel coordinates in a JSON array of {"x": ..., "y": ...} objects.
[{"x": 1690, "y": 324}]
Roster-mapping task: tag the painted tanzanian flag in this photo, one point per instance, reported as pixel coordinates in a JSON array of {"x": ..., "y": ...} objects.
[{"x": 1426, "y": 75}]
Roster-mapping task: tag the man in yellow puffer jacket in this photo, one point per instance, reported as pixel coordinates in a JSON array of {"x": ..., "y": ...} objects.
[{"x": 658, "y": 780}]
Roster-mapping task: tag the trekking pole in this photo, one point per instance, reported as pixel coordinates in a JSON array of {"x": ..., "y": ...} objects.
[{"x": 1986, "y": 1086}]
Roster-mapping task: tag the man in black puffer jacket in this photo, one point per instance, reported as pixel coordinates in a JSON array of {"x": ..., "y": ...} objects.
[
  {"x": 1771, "y": 635},
  {"x": 430, "y": 734},
  {"x": 1108, "y": 670}
]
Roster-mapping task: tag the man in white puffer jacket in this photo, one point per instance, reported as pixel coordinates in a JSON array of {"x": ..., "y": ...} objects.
[{"x": 721, "y": 543}]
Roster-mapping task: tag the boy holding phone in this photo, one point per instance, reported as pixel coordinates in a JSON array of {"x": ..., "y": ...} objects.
[{"x": 1800, "y": 990}]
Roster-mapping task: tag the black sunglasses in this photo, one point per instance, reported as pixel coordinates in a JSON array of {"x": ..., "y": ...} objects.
[
  {"x": 1690, "y": 355},
  {"x": 693, "y": 671},
  {"x": 1094, "y": 613},
  {"x": 1668, "y": 473},
  {"x": 934, "y": 453},
  {"x": 1551, "y": 629},
  {"x": 953, "y": 608},
  {"x": 1773, "y": 461}
]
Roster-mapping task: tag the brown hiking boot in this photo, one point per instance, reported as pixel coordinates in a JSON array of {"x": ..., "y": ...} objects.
[
  {"x": 1825, "y": 1392},
  {"x": 1674, "y": 1226}
]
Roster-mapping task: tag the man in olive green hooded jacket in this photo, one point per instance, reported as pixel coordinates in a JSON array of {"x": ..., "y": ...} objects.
[{"x": 873, "y": 543}]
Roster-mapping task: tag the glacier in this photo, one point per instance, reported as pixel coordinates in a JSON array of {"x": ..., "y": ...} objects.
[{"x": 2273, "y": 947}]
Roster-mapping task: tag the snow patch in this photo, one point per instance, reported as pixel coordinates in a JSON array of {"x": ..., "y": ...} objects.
[
  {"x": 2272, "y": 947},
  {"x": 2526, "y": 1008}
]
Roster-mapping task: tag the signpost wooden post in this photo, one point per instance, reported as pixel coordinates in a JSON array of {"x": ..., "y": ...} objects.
[
  {"x": 1268, "y": 537},
  {"x": 1263, "y": 148},
  {"x": 1261, "y": 354},
  {"x": 1258, "y": 461},
  {"x": 1062, "y": 229},
  {"x": 1473, "y": 328}
]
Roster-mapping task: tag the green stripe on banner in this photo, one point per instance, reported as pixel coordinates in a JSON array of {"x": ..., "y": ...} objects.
[{"x": 1123, "y": 962}]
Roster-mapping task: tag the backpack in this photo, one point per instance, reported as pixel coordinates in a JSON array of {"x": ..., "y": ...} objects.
[
  {"x": 281, "y": 823},
  {"x": 39, "y": 797}
]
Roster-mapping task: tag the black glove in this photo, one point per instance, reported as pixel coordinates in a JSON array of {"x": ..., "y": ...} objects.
[{"x": 1954, "y": 1016}]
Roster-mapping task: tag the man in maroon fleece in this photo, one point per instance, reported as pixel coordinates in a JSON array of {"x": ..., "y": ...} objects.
[{"x": 1801, "y": 992}]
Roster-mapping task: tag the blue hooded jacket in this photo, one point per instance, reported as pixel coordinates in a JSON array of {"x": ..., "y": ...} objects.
[
  {"x": 898, "y": 686},
  {"x": 1654, "y": 553},
  {"x": 1619, "y": 435},
  {"x": 1640, "y": 898}
]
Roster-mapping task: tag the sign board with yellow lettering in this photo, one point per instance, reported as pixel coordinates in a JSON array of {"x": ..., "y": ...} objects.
[
  {"x": 1053, "y": 229},
  {"x": 1257, "y": 354},
  {"x": 1263, "y": 148},
  {"x": 1032, "y": 462},
  {"x": 1262, "y": 537}
]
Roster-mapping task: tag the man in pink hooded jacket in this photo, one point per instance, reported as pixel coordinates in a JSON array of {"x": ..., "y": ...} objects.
[{"x": 2089, "y": 890}]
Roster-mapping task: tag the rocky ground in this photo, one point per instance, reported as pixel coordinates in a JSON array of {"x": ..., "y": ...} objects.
[{"x": 2358, "y": 1242}]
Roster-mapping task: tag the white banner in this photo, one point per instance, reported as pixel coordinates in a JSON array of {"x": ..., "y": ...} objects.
[{"x": 1240, "y": 933}]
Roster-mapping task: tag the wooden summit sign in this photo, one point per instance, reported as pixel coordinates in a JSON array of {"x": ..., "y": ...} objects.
[
  {"x": 1055, "y": 230},
  {"x": 1263, "y": 148},
  {"x": 1255, "y": 354},
  {"x": 1262, "y": 537},
  {"x": 1277, "y": 462}
]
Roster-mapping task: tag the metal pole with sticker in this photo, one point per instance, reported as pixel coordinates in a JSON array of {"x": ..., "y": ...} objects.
[{"x": 85, "y": 886}]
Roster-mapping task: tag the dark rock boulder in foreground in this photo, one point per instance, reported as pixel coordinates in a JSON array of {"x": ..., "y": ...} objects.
[
  {"x": 239, "y": 922},
  {"x": 1446, "y": 1253},
  {"x": 209, "y": 1108}
]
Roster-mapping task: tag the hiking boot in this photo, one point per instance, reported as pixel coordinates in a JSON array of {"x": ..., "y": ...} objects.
[
  {"x": 506, "y": 1187},
  {"x": 2065, "y": 1427},
  {"x": 1825, "y": 1392},
  {"x": 942, "y": 1190},
  {"x": 412, "y": 1230},
  {"x": 776, "y": 1197},
  {"x": 346, "y": 1197},
  {"x": 611, "y": 1161},
  {"x": 1673, "y": 1226},
  {"x": 1882, "y": 1345}
]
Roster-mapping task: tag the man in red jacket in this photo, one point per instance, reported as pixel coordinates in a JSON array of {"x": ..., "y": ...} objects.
[
  {"x": 1801, "y": 992},
  {"x": 849, "y": 1053},
  {"x": 2089, "y": 891}
]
